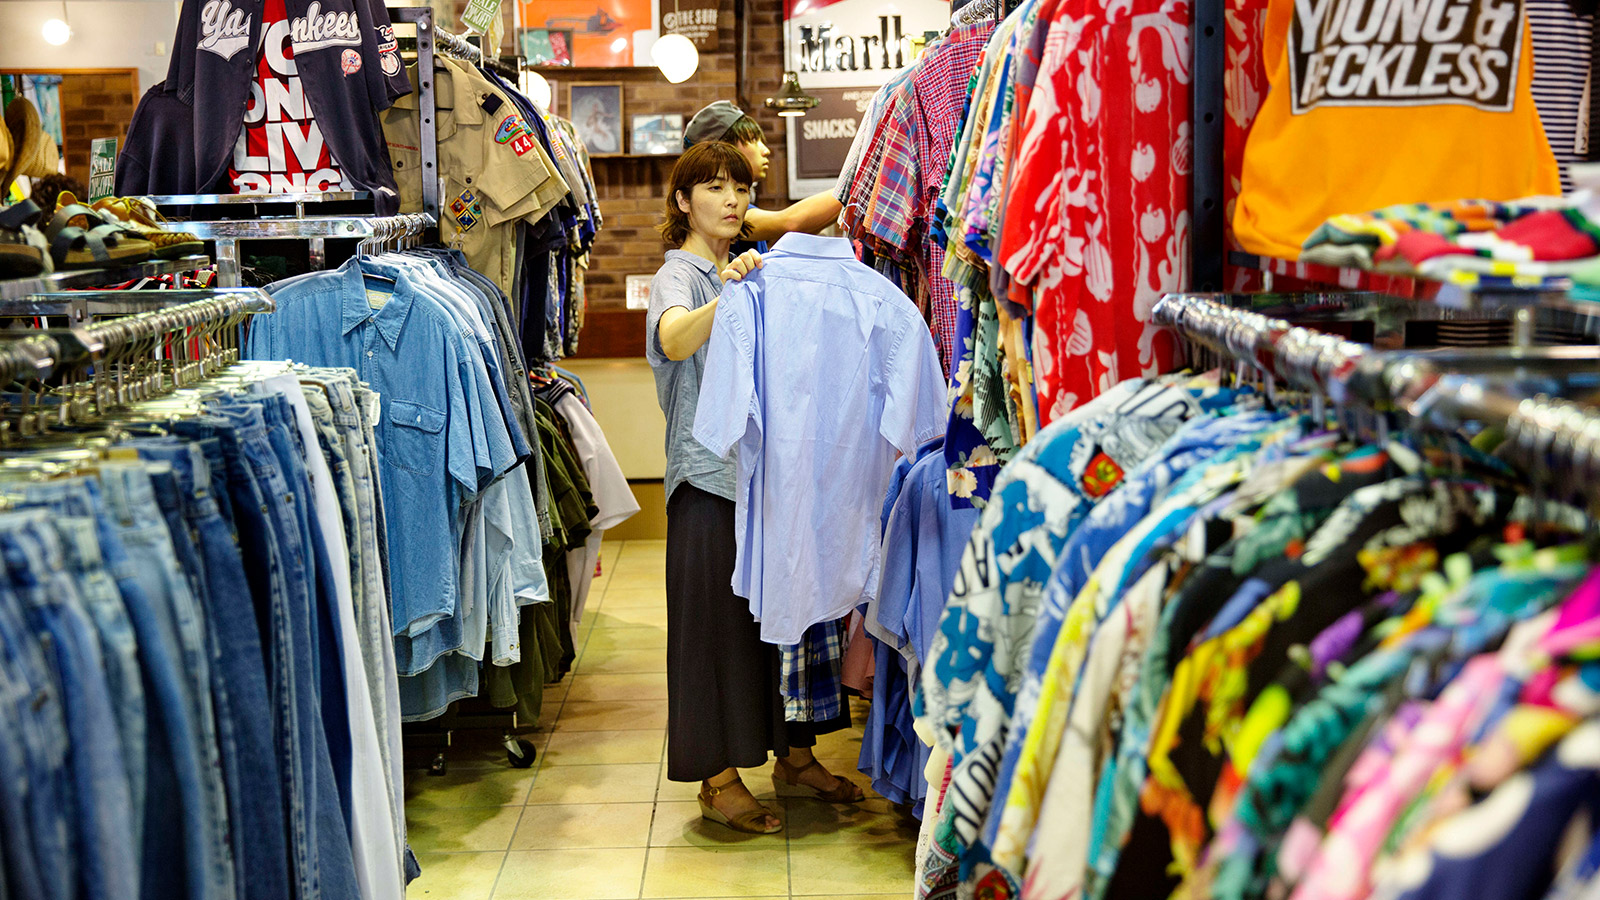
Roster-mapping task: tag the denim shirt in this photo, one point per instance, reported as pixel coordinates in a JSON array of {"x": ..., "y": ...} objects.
[
  {"x": 822, "y": 372},
  {"x": 435, "y": 452}
]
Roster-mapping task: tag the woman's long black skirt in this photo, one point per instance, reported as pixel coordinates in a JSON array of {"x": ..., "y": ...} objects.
[{"x": 724, "y": 706}]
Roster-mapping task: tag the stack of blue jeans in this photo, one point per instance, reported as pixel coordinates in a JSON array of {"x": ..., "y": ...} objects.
[{"x": 173, "y": 706}]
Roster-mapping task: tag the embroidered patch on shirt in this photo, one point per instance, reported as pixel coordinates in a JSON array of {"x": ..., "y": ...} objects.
[
  {"x": 1101, "y": 475},
  {"x": 350, "y": 62},
  {"x": 510, "y": 127},
  {"x": 466, "y": 210}
]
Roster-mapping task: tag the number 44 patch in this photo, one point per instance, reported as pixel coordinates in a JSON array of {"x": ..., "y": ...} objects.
[{"x": 513, "y": 132}]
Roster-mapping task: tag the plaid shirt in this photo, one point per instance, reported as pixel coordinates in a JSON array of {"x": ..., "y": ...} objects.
[
  {"x": 891, "y": 205},
  {"x": 941, "y": 87},
  {"x": 811, "y": 674}
]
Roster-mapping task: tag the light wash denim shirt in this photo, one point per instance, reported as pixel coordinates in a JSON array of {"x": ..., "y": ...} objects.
[
  {"x": 822, "y": 372},
  {"x": 440, "y": 439}
]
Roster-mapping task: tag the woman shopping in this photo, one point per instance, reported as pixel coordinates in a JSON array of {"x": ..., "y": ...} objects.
[{"x": 725, "y": 711}]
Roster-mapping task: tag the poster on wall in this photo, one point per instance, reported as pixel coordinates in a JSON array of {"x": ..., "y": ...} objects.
[
  {"x": 696, "y": 20},
  {"x": 843, "y": 51},
  {"x": 603, "y": 31}
]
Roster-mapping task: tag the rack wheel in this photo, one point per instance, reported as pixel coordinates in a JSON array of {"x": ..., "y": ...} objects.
[
  {"x": 439, "y": 766},
  {"x": 520, "y": 753}
]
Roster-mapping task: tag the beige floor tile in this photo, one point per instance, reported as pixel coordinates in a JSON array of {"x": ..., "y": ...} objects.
[
  {"x": 637, "y": 578},
  {"x": 613, "y": 715},
  {"x": 631, "y": 686},
  {"x": 716, "y": 872},
  {"x": 632, "y": 598},
  {"x": 594, "y": 784},
  {"x": 462, "y": 829},
  {"x": 861, "y": 866},
  {"x": 557, "y": 692},
  {"x": 678, "y": 823},
  {"x": 456, "y": 876},
  {"x": 467, "y": 787},
  {"x": 632, "y": 617},
  {"x": 844, "y": 744},
  {"x": 573, "y": 826},
  {"x": 621, "y": 662},
  {"x": 815, "y": 822},
  {"x": 591, "y": 748},
  {"x": 646, "y": 638},
  {"x": 571, "y": 875}
]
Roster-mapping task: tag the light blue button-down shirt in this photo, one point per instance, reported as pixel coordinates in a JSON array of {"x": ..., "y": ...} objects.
[{"x": 822, "y": 372}]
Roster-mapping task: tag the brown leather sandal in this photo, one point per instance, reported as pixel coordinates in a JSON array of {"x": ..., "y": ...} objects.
[
  {"x": 786, "y": 780},
  {"x": 747, "y": 821}
]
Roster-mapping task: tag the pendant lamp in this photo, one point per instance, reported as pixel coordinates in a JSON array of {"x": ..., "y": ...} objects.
[{"x": 791, "y": 100}]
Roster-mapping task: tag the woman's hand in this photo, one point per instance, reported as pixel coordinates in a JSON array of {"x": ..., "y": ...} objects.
[{"x": 742, "y": 265}]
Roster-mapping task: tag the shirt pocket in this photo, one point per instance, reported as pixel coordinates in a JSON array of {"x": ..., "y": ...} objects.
[{"x": 415, "y": 436}]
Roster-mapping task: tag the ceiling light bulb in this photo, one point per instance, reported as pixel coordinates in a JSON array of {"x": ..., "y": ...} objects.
[
  {"x": 57, "y": 32},
  {"x": 676, "y": 57},
  {"x": 539, "y": 90}
]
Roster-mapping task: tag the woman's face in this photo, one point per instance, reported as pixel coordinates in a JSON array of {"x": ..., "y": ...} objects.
[
  {"x": 757, "y": 154},
  {"x": 717, "y": 208}
]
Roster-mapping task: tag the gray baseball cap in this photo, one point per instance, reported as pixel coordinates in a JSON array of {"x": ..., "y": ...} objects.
[{"x": 711, "y": 123}]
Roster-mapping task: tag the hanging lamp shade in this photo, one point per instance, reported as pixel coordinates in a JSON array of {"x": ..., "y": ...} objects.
[
  {"x": 676, "y": 57},
  {"x": 791, "y": 100}
]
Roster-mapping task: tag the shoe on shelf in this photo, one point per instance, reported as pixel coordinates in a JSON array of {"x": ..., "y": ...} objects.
[
  {"x": 24, "y": 252},
  {"x": 139, "y": 214},
  {"x": 786, "y": 780},
  {"x": 85, "y": 238},
  {"x": 747, "y": 821}
]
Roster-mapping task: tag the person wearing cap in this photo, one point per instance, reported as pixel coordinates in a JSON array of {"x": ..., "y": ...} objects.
[{"x": 723, "y": 121}]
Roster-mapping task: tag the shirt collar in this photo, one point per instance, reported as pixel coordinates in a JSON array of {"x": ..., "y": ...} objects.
[
  {"x": 814, "y": 245},
  {"x": 391, "y": 319},
  {"x": 694, "y": 259}
]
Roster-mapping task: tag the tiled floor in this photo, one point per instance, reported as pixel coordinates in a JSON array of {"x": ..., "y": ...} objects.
[{"x": 596, "y": 818}]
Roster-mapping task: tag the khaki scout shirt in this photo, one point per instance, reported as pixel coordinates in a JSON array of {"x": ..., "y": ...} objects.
[{"x": 492, "y": 171}]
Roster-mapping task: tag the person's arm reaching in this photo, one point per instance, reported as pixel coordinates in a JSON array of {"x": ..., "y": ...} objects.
[
  {"x": 807, "y": 216},
  {"x": 683, "y": 331}
]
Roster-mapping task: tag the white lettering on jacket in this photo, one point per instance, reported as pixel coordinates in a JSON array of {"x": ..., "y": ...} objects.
[
  {"x": 317, "y": 29},
  {"x": 223, "y": 29}
]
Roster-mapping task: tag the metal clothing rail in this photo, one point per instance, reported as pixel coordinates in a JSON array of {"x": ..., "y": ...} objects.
[
  {"x": 227, "y": 233},
  {"x": 30, "y": 354},
  {"x": 79, "y": 306},
  {"x": 459, "y": 47},
  {"x": 13, "y": 288},
  {"x": 1557, "y": 441}
]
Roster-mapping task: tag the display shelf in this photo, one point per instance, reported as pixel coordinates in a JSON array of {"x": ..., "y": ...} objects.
[
  {"x": 593, "y": 70},
  {"x": 233, "y": 199},
  {"x": 290, "y": 228},
  {"x": 16, "y": 288},
  {"x": 628, "y": 156}
]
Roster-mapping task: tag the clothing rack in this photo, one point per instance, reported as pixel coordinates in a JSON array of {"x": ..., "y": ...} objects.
[
  {"x": 1557, "y": 440},
  {"x": 459, "y": 47},
  {"x": 227, "y": 233},
  {"x": 14, "y": 288},
  {"x": 79, "y": 306},
  {"x": 976, "y": 11}
]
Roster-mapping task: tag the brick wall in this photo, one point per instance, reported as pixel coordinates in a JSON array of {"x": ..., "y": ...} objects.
[
  {"x": 98, "y": 105},
  {"x": 631, "y": 189}
]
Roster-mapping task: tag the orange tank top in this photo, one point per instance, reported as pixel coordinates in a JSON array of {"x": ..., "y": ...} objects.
[{"x": 1378, "y": 102}]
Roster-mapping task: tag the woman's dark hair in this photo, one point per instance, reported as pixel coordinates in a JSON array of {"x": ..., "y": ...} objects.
[
  {"x": 744, "y": 131},
  {"x": 700, "y": 164}
]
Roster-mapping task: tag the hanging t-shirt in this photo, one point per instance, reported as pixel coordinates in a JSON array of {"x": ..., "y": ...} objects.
[
  {"x": 280, "y": 149},
  {"x": 1379, "y": 102}
]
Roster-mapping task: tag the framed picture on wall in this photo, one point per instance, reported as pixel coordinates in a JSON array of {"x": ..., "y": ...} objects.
[
  {"x": 638, "y": 287},
  {"x": 658, "y": 135},
  {"x": 603, "y": 31},
  {"x": 596, "y": 111},
  {"x": 546, "y": 46}
]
